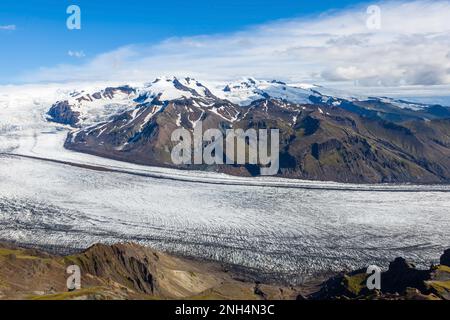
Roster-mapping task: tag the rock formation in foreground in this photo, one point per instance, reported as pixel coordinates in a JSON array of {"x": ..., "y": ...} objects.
[
  {"x": 124, "y": 271},
  {"x": 130, "y": 271},
  {"x": 402, "y": 281}
]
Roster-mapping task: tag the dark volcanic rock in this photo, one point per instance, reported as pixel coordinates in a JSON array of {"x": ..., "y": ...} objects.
[
  {"x": 343, "y": 286},
  {"x": 445, "y": 258},
  {"x": 402, "y": 275},
  {"x": 402, "y": 281},
  {"x": 61, "y": 112}
]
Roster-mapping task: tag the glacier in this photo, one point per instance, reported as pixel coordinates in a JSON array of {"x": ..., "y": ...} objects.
[{"x": 287, "y": 229}]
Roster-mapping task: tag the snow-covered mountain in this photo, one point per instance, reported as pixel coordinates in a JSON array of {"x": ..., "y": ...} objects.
[
  {"x": 324, "y": 136},
  {"x": 87, "y": 108},
  {"x": 248, "y": 90}
]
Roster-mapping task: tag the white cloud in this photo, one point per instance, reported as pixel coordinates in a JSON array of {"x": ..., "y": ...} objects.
[
  {"x": 76, "y": 54},
  {"x": 10, "y": 27},
  {"x": 410, "y": 49}
]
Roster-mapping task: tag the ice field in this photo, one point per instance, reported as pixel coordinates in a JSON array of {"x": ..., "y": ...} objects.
[{"x": 281, "y": 227}]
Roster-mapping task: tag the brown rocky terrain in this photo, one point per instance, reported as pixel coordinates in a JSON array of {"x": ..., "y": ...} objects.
[
  {"x": 337, "y": 146},
  {"x": 124, "y": 271},
  {"x": 130, "y": 271}
]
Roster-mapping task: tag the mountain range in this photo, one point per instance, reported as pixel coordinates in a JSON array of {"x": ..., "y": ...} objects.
[{"x": 324, "y": 134}]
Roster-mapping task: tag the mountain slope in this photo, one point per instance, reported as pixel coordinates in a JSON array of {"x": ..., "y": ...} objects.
[
  {"x": 124, "y": 271},
  {"x": 322, "y": 137}
]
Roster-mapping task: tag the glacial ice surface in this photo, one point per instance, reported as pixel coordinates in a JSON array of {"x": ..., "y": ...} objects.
[{"x": 292, "y": 232}]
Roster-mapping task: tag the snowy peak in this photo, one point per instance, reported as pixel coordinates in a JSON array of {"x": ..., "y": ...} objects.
[
  {"x": 230, "y": 102},
  {"x": 402, "y": 104},
  {"x": 248, "y": 90},
  {"x": 107, "y": 94},
  {"x": 168, "y": 89}
]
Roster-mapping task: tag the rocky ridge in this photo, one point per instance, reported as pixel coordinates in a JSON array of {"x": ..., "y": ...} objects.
[{"x": 130, "y": 271}]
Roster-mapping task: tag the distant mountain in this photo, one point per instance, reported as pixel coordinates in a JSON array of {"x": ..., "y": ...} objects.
[{"x": 325, "y": 134}]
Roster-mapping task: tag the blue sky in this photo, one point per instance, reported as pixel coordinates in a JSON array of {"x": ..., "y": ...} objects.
[
  {"x": 41, "y": 39},
  {"x": 328, "y": 43}
]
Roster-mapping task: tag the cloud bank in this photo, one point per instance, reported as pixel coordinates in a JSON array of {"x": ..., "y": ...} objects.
[{"x": 411, "y": 48}]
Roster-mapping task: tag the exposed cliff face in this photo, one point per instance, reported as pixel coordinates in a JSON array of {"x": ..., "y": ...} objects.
[{"x": 62, "y": 112}]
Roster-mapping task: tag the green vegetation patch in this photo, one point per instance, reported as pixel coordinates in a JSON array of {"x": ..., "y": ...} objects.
[
  {"x": 69, "y": 295},
  {"x": 19, "y": 254},
  {"x": 355, "y": 283}
]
